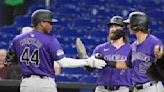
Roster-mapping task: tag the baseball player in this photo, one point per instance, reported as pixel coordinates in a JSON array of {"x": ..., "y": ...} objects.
[
  {"x": 37, "y": 51},
  {"x": 117, "y": 48},
  {"x": 57, "y": 67},
  {"x": 144, "y": 52}
]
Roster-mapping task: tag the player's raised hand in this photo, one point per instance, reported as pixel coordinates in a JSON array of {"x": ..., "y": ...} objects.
[
  {"x": 81, "y": 50},
  {"x": 96, "y": 63},
  {"x": 158, "y": 51}
]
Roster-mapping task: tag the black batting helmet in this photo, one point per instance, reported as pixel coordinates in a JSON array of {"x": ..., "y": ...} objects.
[
  {"x": 42, "y": 15},
  {"x": 138, "y": 20},
  {"x": 118, "y": 20}
]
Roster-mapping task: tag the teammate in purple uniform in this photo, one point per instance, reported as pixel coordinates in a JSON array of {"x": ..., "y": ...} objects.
[
  {"x": 117, "y": 48},
  {"x": 37, "y": 51},
  {"x": 144, "y": 52}
]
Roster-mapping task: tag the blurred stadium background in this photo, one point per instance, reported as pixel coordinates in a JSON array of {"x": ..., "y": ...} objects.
[{"x": 86, "y": 19}]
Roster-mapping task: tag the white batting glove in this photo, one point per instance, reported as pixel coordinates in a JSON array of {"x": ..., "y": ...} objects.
[{"x": 96, "y": 63}]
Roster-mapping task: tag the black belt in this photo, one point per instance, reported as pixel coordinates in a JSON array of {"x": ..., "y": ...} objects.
[
  {"x": 41, "y": 76},
  {"x": 112, "y": 88},
  {"x": 142, "y": 86}
]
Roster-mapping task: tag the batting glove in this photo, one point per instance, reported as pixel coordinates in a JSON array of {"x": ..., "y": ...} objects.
[{"x": 96, "y": 63}]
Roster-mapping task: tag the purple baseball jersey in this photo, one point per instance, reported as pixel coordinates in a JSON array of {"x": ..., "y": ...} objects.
[
  {"x": 142, "y": 58},
  {"x": 36, "y": 53},
  {"x": 111, "y": 76}
]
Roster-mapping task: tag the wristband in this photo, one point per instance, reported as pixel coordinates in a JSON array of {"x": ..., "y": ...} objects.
[{"x": 111, "y": 63}]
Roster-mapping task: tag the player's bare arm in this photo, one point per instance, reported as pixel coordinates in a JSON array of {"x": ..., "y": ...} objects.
[{"x": 121, "y": 65}]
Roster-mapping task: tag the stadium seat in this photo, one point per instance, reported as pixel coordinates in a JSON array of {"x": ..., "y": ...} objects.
[
  {"x": 70, "y": 33},
  {"x": 156, "y": 14},
  {"x": 160, "y": 35},
  {"x": 94, "y": 3},
  {"x": 103, "y": 14},
  {"x": 4, "y": 45},
  {"x": 22, "y": 21},
  {"x": 33, "y": 8},
  {"x": 121, "y": 3},
  {"x": 7, "y": 34},
  {"x": 149, "y": 4},
  {"x": 64, "y": 2},
  {"x": 70, "y": 52},
  {"x": 84, "y": 23},
  {"x": 71, "y": 12},
  {"x": 99, "y": 34}
]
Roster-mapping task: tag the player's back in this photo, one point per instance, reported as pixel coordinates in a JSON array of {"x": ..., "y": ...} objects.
[{"x": 33, "y": 53}]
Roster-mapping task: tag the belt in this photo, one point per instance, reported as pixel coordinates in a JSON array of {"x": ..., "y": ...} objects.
[
  {"x": 40, "y": 76},
  {"x": 112, "y": 88},
  {"x": 142, "y": 86}
]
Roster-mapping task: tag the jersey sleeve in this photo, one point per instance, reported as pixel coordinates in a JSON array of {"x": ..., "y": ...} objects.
[
  {"x": 155, "y": 43},
  {"x": 129, "y": 59},
  {"x": 56, "y": 50}
]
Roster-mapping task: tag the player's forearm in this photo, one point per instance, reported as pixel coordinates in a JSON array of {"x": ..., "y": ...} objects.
[
  {"x": 72, "y": 63},
  {"x": 117, "y": 64},
  {"x": 57, "y": 68},
  {"x": 121, "y": 65}
]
